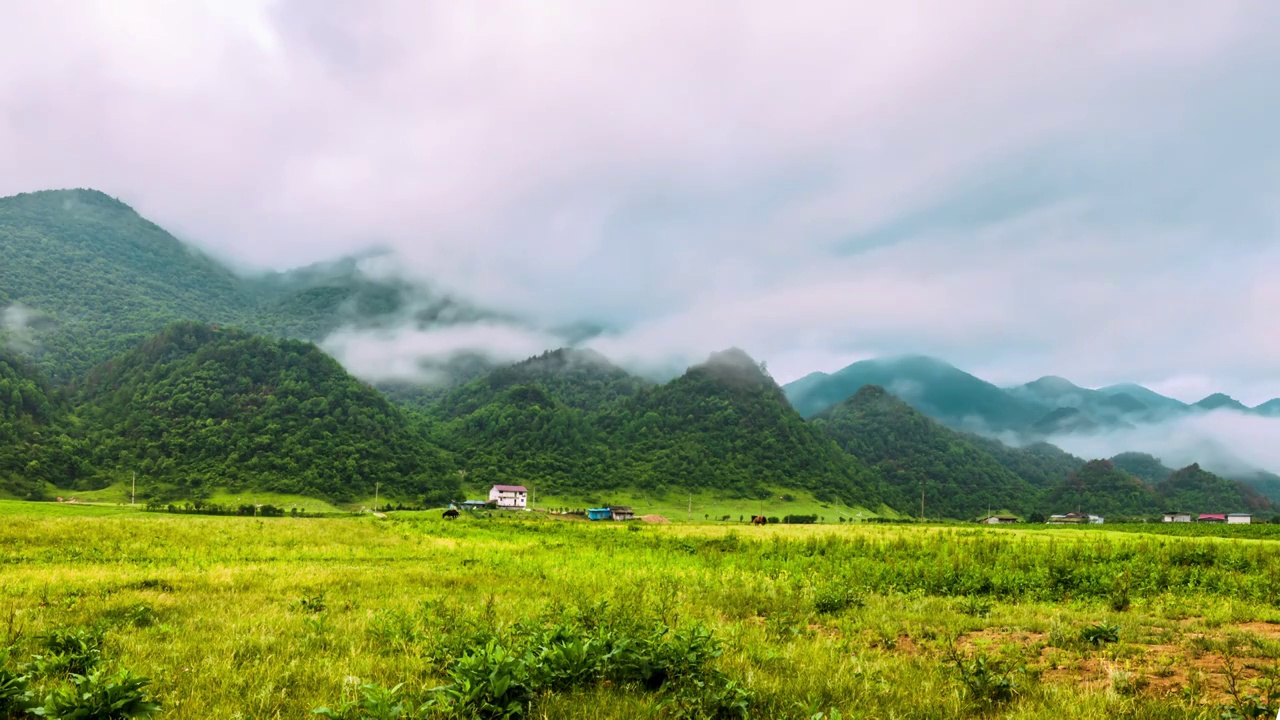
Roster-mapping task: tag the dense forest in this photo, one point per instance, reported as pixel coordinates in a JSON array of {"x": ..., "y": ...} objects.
[
  {"x": 914, "y": 454},
  {"x": 34, "y": 450},
  {"x": 197, "y": 407},
  {"x": 579, "y": 424}
]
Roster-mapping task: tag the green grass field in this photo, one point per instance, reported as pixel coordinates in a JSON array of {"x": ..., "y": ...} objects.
[{"x": 522, "y": 614}]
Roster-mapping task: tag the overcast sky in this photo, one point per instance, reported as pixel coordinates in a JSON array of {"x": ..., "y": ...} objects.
[{"x": 1087, "y": 188}]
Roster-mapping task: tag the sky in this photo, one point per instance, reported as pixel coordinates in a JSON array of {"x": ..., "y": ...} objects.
[{"x": 1086, "y": 189}]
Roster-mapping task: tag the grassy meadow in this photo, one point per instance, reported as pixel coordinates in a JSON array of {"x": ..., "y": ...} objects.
[{"x": 518, "y": 614}]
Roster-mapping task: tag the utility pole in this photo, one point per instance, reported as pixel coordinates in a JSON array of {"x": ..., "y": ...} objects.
[
  {"x": 376, "y": 485},
  {"x": 133, "y": 490},
  {"x": 689, "y": 515},
  {"x": 922, "y": 501}
]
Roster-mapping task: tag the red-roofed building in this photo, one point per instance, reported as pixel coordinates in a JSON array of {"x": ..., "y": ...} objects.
[
  {"x": 1212, "y": 518},
  {"x": 509, "y": 496}
]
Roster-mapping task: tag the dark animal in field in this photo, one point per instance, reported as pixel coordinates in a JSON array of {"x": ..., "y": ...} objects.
[
  {"x": 759, "y": 520},
  {"x": 450, "y": 514}
]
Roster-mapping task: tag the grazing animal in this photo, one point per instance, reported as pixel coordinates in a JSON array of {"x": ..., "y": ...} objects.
[
  {"x": 759, "y": 520},
  {"x": 450, "y": 514}
]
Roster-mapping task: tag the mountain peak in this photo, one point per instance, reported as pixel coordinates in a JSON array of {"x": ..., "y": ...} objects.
[
  {"x": 1269, "y": 408},
  {"x": 1053, "y": 383},
  {"x": 1218, "y": 401}
]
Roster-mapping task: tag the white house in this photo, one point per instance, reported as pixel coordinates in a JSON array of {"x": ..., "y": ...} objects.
[
  {"x": 509, "y": 496},
  {"x": 998, "y": 520},
  {"x": 1239, "y": 518},
  {"x": 1177, "y": 517},
  {"x": 1095, "y": 519}
]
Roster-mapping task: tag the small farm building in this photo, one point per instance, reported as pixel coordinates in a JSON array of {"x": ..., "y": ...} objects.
[
  {"x": 1069, "y": 519},
  {"x": 600, "y": 513},
  {"x": 509, "y": 496},
  {"x": 621, "y": 512},
  {"x": 1239, "y": 518},
  {"x": 1211, "y": 518},
  {"x": 998, "y": 520},
  {"x": 1177, "y": 517}
]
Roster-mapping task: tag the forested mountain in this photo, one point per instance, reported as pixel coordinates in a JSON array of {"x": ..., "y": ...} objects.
[
  {"x": 1270, "y": 408},
  {"x": 97, "y": 277},
  {"x": 1192, "y": 488},
  {"x": 912, "y": 452},
  {"x": 198, "y": 407},
  {"x": 1147, "y": 468},
  {"x": 933, "y": 387},
  {"x": 87, "y": 278},
  {"x": 576, "y": 423},
  {"x": 725, "y": 424},
  {"x": 581, "y": 379},
  {"x": 33, "y": 449},
  {"x": 1040, "y": 463},
  {"x": 1099, "y": 488}
]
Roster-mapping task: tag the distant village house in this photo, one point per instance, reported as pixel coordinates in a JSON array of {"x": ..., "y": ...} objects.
[
  {"x": 1177, "y": 517},
  {"x": 1239, "y": 518},
  {"x": 600, "y": 513},
  {"x": 509, "y": 496},
  {"x": 1212, "y": 518},
  {"x": 998, "y": 520},
  {"x": 621, "y": 512}
]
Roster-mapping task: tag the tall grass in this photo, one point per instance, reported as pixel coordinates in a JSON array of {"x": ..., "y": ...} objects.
[{"x": 236, "y": 617}]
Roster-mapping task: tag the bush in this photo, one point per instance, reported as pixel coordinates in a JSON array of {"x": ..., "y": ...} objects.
[
  {"x": 1100, "y": 634},
  {"x": 74, "y": 651},
  {"x": 98, "y": 696}
]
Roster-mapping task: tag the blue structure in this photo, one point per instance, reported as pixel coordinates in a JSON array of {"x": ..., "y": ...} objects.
[{"x": 603, "y": 513}]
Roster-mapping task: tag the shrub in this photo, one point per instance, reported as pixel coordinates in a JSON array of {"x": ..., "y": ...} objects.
[
  {"x": 373, "y": 702},
  {"x": 834, "y": 598},
  {"x": 98, "y": 696},
  {"x": 1100, "y": 634},
  {"x": 74, "y": 651},
  {"x": 15, "y": 692},
  {"x": 987, "y": 680}
]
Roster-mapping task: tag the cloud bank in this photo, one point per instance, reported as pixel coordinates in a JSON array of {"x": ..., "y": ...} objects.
[
  {"x": 1087, "y": 190},
  {"x": 1223, "y": 441}
]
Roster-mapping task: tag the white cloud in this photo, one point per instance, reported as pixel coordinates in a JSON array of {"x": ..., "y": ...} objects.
[
  {"x": 416, "y": 355},
  {"x": 1084, "y": 189},
  {"x": 1224, "y": 441}
]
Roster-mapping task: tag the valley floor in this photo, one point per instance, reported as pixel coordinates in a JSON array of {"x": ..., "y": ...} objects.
[{"x": 234, "y": 617}]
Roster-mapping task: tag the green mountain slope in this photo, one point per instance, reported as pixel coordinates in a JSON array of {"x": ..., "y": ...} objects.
[
  {"x": 93, "y": 278},
  {"x": 197, "y": 407},
  {"x": 1147, "y": 468},
  {"x": 726, "y": 425},
  {"x": 1040, "y": 464},
  {"x": 933, "y": 387},
  {"x": 910, "y": 451},
  {"x": 580, "y": 379},
  {"x": 570, "y": 422},
  {"x": 1099, "y": 488},
  {"x": 1194, "y": 489},
  {"x": 33, "y": 448},
  {"x": 1270, "y": 408},
  {"x": 100, "y": 278}
]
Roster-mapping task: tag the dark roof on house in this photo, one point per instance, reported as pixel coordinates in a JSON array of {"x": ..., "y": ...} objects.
[
  {"x": 510, "y": 488},
  {"x": 620, "y": 508},
  {"x": 1213, "y": 517}
]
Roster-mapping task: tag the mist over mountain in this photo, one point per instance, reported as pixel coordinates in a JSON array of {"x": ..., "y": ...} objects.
[
  {"x": 100, "y": 379},
  {"x": 85, "y": 277},
  {"x": 1218, "y": 432}
]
